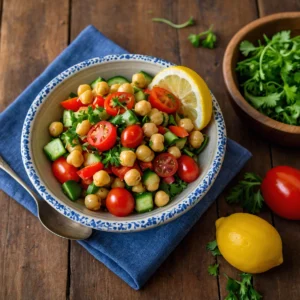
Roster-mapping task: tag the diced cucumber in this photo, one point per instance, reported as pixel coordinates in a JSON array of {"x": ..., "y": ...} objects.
[
  {"x": 72, "y": 95},
  {"x": 92, "y": 189},
  {"x": 181, "y": 143},
  {"x": 170, "y": 138},
  {"x": 55, "y": 149},
  {"x": 117, "y": 80},
  {"x": 117, "y": 120},
  {"x": 150, "y": 178},
  {"x": 79, "y": 113},
  {"x": 166, "y": 120},
  {"x": 93, "y": 84},
  {"x": 72, "y": 189},
  {"x": 67, "y": 118},
  {"x": 172, "y": 120},
  {"x": 143, "y": 202},
  {"x": 139, "y": 96},
  {"x": 136, "y": 89},
  {"x": 90, "y": 159},
  {"x": 129, "y": 117},
  {"x": 148, "y": 77},
  {"x": 101, "y": 112},
  {"x": 203, "y": 145},
  {"x": 188, "y": 152}
]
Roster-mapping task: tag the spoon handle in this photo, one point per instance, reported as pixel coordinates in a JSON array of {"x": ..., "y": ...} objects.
[{"x": 5, "y": 167}]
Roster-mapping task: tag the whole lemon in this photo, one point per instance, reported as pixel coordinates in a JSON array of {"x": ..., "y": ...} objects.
[{"x": 249, "y": 243}]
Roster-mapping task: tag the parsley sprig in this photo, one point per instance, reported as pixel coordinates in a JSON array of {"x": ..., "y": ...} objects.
[
  {"x": 174, "y": 188},
  {"x": 206, "y": 39},
  {"x": 269, "y": 76},
  {"x": 247, "y": 193},
  {"x": 112, "y": 156},
  {"x": 213, "y": 248},
  {"x": 213, "y": 270}
]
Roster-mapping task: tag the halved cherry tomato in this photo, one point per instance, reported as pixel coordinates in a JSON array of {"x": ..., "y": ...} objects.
[
  {"x": 102, "y": 135},
  {"x": 179, "y": 131},
  {"x": 64, "y": 171},
  {"x": 188, "y": 170},
  {"x": 98, "y": 102},
  {"x": 72, "y": 104},
  {"x": 163, "y": 100},
  {"x": 169, "y": 180},
  {"x": 118, "y": 102},
  {"x": 121, "y": 171},
  {"x": 132, "y": 136},
  {"x": 165, "y": 165},
  {"x": 146, "y": 165},
  {"x": 161, "y": 129},
  {"x": 120, "y": 202},
  {"x": 89, "y": 171},
  {"x": 86, "y": 182},
  {"x": 108, "y": 170}
]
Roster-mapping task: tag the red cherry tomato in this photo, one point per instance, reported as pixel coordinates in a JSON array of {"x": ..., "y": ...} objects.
[
  {"x": 188, "y": 170},
  {"x": 161, "y": 129},
  {"x": 115, "y": 103},
  {"x": 86, "y": 182},
  {"x": 281, "y": 191},
  {"x": 119, "y": 202},
  {"x": 179, "y": 131},
  {"x": 132, "y": 136},
  {"x": 169, "y": 180},
  {"x": 146, "y": 165},
  {"x": 165, "y": 165},
  {"x": 72, "y": 104},
  {"x": 121, "y": 171},
  {"x": 63, "y": 171},
  {"x": 102, "y": 135},
  {"x": 163, "y": 100},
  {"x": 98, "y": 102},
  {"x": 89, "y": 171}
]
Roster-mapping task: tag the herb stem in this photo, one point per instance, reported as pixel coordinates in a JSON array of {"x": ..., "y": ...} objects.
[{"x": 189, "y": 22}]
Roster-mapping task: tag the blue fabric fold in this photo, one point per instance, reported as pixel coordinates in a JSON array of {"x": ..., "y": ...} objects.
[{"x": 147, "y": 249}]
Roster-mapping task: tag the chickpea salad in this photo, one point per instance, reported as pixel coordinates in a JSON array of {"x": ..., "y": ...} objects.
[{"x": 122, "y": 147}]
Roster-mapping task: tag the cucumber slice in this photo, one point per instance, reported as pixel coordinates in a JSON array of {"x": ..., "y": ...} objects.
[
  {"x": 67, "y": 118},
  {"x": 181, "y": 143},
  {"x": 139, "y": 96},
  {"x": 117, "y": 80},
  {"x": 170, "y": 138},
  {"x": 92, "y": 189},
  {"x": 150, "y": 178},
  {"x": 129, "y": 117},
  {"x": 144, "y": 202},
  {"x": 148, "y": 77},
  {"x": 91, "y": 159},
  {"x": 93, "y": 84},
  {"x": 55, "y": 149},
  {"x": 72, "y": 189},
  {"x": 117, "y": 120}
]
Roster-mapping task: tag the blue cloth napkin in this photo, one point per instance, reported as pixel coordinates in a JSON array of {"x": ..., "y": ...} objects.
[{"x": 147, "y": 249}]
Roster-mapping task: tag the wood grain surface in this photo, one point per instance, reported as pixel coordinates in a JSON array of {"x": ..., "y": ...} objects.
[{"x": 36, "y": 265}]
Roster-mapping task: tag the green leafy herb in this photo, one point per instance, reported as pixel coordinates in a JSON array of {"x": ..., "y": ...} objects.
[
  {"x": 116, "y": 102},
  {"x": 247, "y": 193},
  {"x": 145, "y": 119},
  {"x": 189, "y": 22},
  {"x": 213, "y": 248},
  {"x": 70, "y": 137},
  {"x": 112, "y": 156},
  {"x": 269, "y": 76},
  {"x": 207, "y": 39},
  {"x": 213, "y": 270},
  {"x": 174, "y": 188},
  {"x": 172, "y": 120}
]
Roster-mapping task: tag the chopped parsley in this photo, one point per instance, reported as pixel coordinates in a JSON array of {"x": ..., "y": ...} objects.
[
  {"x": 213, "y": 248},
  {"x": 213, "y": 270},
  {"x": 206, "y": 39},
  {"x": 174, "y": 188},
  {"x": 112, "y": 156}
]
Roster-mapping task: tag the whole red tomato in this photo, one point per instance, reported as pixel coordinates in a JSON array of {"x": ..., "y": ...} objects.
[
  {"x": 64, "y": 171},
  {"x": 281, "y": 191},
  {"x": 119, "y": 202},
  {"x": 188, "y": 169},
  {"x": 132, "y": 136}
]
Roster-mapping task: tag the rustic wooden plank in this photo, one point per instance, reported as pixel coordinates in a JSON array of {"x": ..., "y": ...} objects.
[
  {"x": 33, "y": 262},
  {"x": 286, "y": 275},
  {"x": 184, "y": 274}
]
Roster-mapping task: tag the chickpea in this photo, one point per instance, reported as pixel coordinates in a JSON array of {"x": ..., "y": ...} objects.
[
  {"x": 157, "y": 142},
  {"x": 101, "y": 88},
  {"x": 110, "y": 182},
  {"x": 152, "y": 187},
  {"x": 118, "y": 183},
  {"x": 82, "y": 88},
  {"x": 196, "y": 139},
  {"x": 101, "y": 178},
  {"x": 174, "y": 151},
  {"x": 83, "y": 127},
  {"x": 187, "y": 124},
  {"x": 132, "y": 177},
  {"x": 92, "y": 202},
  {"x": 72, "y": 148},
  {"x": 156, "y": 116},
  {"x": 139, "y": 80},
  {"x": 139, "y": 188},
  {"x": 144, "y": 153},
  {"x": 142, "y": 108},
  {"x": 161, "y": 198},
  {"x": 127, "y": 158},
  {"x": 75, "y": 158},
  {"x": 126, "y": 87},
  {"x": 114, "y": 88},
  {"x": 149, "y": 129},
  {"x": 86, "y": 97},
  {"x": 102, "y": 193},
  {"x": 56, "y": 128}
]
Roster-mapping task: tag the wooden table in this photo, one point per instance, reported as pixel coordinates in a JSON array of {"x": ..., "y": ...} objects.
[{"x": 35, "y": 264}]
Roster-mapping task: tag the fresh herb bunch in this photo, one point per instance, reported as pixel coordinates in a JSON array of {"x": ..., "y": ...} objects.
[
  {"x": 270, "y": 76},
  {"x": 247, "y": 193},
  {"x": 174, "y": 188},
  {"x": 207, "y": 39}
]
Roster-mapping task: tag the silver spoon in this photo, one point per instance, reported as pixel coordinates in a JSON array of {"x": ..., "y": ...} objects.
[{"x": 52, "y": 220}]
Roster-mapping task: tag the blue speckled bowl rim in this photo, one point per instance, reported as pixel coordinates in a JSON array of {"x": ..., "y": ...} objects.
[{"x": 116, "y": 225}]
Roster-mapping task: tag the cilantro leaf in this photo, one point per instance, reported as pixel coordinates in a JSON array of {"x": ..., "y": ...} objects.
[
  {"x": 112, "y": 156},
  {"x": 213, "y": 248},
  {"x": 207, "y": 39},
  {"x": 174, "y": 188},
  {"x": 290, "y": 92},
  {"x": 213, "y": 270},
  {"x": 246, "y": 47}
]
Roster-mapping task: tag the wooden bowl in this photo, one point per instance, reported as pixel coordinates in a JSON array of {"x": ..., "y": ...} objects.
[{"x": 280, "y": 133}]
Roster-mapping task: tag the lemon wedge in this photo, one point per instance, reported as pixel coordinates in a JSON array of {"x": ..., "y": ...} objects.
[{"x": 192, "y": 91}]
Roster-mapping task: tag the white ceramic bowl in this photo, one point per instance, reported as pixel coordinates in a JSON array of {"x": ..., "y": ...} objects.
[{"x": 46, "y": 109}]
